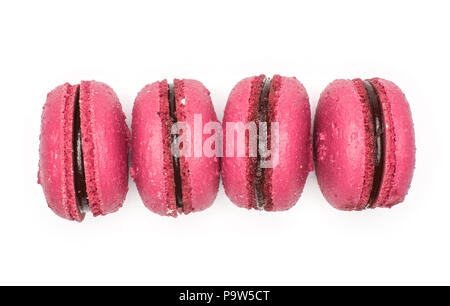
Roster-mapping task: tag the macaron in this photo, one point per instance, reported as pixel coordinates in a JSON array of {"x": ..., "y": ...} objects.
[
  {"x": 171, "y": 184},
  {"x": 83, "y": 150},
  {"x": 272, "y": 179},
  {"x": 364, "y": 146}
]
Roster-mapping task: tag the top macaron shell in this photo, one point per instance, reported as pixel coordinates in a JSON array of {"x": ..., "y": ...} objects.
[
  {"x": 292, "y": 112},
  {"x": 55, "y": 163},
  {"x": 343, "y": 138},
  {"x": 105, "y": 149},
  {"x": 148, "y": 165},
  {"x": 152, "y": 167}
]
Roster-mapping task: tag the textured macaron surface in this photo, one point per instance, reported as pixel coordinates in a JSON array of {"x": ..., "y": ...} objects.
[
  {"x": 151, "y": 162},
  {"x": 105, "y": 139},
  {"x": 292, "y": 112},
  {"x": 288, "y": 106},
  {"x": 235, "y": 169},
  {"x": 152, "y": 165},
  {"x": 56, "y": 152},
  {"x": 201, "y": 166},
  {"x": 340, "y": 145},
  {"x": 344, "y": 144}
]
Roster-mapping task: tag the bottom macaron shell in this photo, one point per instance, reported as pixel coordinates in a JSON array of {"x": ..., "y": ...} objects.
[
  {"x": 105, "y": 138},
  {"x": 56, "y": 154},
  {"x": 340, "y": 145}
]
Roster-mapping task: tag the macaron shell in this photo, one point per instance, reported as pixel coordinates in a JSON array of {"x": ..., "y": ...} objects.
[
  {"x": 105, "y": 138},
  {"x": 151, "y": 166},
  {"x": 56, "y": 152},
  {"x": 340, "y": 145},
  {"x": 292, "y": 112},
  {"x": 201, "y": 171},
  {"x": 234, "y": 173},
  {"x": 399, "y": 144}
]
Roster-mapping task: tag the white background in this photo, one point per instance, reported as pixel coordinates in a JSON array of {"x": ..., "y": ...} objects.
[{"x": 129, "y": 44}]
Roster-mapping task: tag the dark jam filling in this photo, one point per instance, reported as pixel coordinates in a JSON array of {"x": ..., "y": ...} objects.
[
  {"x": 78, "y": 163},
  {"x": 262, "y": 117},
  {"x": 175, "y": 159},
  {"x": 377, "y": 117}
]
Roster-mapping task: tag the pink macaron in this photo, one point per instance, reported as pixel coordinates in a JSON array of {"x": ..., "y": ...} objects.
[
  {"x": 364, "y": 146},
  {"x": 270, "y": 179},
  {"x": 83, "y": 150},
  {"x": 172, "y": 184}
]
